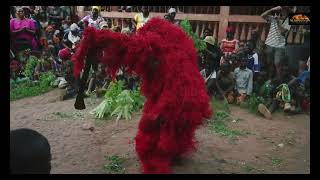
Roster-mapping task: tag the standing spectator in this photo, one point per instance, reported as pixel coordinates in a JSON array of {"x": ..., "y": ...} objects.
[
  {"x": 276, "y": 40},
  {"x": 141, "y": 18},
  {"x": 171, "y": 16},
  {"x": 253, "y": 60},
  {"x": 229, "y": 45},
  {"x": 22, "y": 32},
  {"x": 12, "y": 12},
  {"x": 207, "y": 32},
  {"x": 35, "y": 17},
  {"x": 244, "y": 80},
  {"x": 66, "y": 12},
  {"x": 55, "y": 16},
  {"x": 212, "y": 56},
  {"x": 94, "y": 19}
]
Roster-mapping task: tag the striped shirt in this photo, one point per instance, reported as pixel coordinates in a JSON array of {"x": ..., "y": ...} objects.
[{"x": 275, "y": 38}]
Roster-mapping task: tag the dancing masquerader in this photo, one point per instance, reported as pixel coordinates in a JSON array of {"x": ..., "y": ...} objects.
[{"x": 176, "y": 98}]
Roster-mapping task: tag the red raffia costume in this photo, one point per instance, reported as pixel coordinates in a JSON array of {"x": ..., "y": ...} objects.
[{"x": 176, "y": 98}]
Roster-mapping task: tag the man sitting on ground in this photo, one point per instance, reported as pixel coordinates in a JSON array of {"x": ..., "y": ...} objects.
[
  {"x": 225, "y": 83},
  {"x": 244, "y": 80}
]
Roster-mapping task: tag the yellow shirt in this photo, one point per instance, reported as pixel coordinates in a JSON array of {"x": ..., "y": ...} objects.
[{"x": 140, "y": 20}]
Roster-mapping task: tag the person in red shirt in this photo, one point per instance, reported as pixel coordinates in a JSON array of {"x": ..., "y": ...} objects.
[{"x": 229, "y": 45}]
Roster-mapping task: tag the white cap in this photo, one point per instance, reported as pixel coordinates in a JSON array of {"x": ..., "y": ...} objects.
[
  {"x": 56, "y": 32},
  {"x": 172, "y": 10},
  {"x": 74, "y": 26}
]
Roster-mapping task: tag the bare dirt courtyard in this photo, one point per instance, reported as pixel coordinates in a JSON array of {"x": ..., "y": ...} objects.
[{"x": 79, "y": 142}]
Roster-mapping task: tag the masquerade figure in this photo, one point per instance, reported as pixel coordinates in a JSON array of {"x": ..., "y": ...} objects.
[{"x": 176, "y": 98}]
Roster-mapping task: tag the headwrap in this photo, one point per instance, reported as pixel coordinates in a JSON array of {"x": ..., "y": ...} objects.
[
  {"x": 74, "y": 27},
  {"x": 64, "y": 53},
  {"x": 97, "y": 7}
]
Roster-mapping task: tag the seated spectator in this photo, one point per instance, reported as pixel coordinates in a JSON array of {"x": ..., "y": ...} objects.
[
  {"x": 103, "y": 25},
  {"x": 244, "y": 81},
  {"x": 29, "y": 152},
  {"x": 65, "y": 27},
  {"x": 126, "y": 29},
  {"x": 67, "y": 82},
  {"x": 71, "y": 38},
  {"x": 43, "y": 65},
  {"x": 225, "y": 83},
  {"x": 281, "y": 94},
  {"x": 22, "y": 32},
  {"x": 116, "y": 29}
]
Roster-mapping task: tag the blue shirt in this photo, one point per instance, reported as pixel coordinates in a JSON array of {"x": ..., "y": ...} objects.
[
  {"x": 244, "y": 80},
  {"x": 303, "y": 76}
]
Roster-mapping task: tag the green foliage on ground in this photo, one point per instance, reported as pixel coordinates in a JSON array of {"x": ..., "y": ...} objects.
[
  {"x": 115, "y": 164},
  {"x": 27, "y": 88},
  {"x": 118, "y": 102}
]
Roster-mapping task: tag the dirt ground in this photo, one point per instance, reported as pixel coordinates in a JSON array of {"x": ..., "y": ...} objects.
[{"x": 79, "y": 142}]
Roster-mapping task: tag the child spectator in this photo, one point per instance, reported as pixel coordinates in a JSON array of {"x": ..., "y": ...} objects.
[
  {"x": 29, "y": 152},
  {"x": 244, "y": 81}
]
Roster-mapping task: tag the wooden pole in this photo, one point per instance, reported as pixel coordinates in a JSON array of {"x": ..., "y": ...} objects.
[
  {"x": 263, "y": 34},
  {"x": 243, "y": 35},
  {"x": 80, "y": 11},
  {"x": 236, "y": 35},
  {"x": 215, "y": 33},
  {"x": 290, "y": 37},
  {"x": 197, "y": 28},
  {"x": 302, "y": 40},
  {"x": 223, "y": 23},
  {"x": 249, "y": 32},
  {"x": 202, "y": 30},
  {"x": 210, "y": 27},
  {"x": 297, "y": 38}
]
